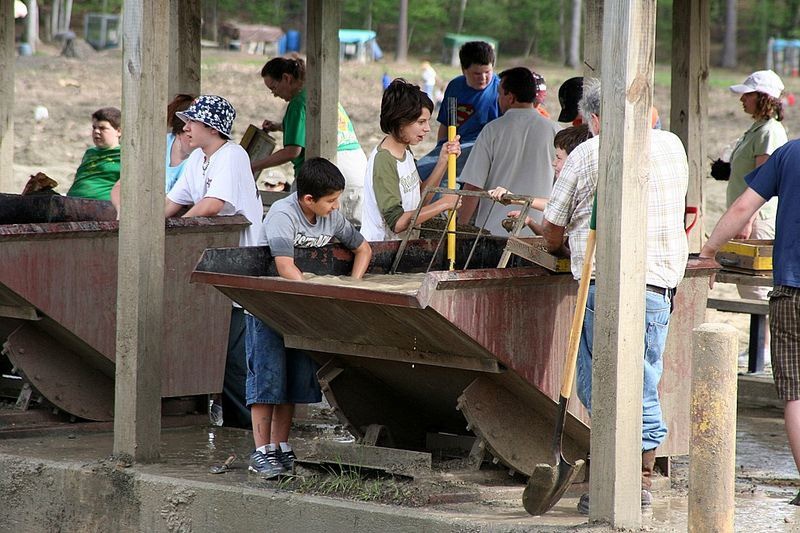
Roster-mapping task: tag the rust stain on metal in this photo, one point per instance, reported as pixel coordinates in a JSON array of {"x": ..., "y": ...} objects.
[{"x": 60, "y": 258}]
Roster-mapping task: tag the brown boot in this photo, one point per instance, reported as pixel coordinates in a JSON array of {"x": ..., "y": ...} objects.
[{"x": 648, "y": 464}]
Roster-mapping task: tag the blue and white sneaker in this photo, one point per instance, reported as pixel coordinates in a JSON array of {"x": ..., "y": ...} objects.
[
  {"x": 266, "y": 465},
  {"x": 287, "y": 459}
]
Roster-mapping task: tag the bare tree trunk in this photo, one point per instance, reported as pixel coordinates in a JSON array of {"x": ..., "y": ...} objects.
[
  {"x": 531, "y": 44},
  {"x": 575, "y": 36},
  {"x": 54, "y": 19},
  {"x": 462, "y": 8},
  {"x": 32, "y": 25},
  {"x": 368, "y": 22},
  {"x": 402, "y": 33},
  {"x": 66, "y": 16},
  {"x": 215, "y": 22},
  {"x": 562, "y": 44},
  {"x": 729, "y": 44}
]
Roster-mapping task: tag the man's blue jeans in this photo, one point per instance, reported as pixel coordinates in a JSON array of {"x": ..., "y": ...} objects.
[{"x": 656, "y": 328}]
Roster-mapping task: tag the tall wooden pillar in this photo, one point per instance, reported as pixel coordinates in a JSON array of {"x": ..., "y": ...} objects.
[
  {"x": 689, "y": 98},
  {"x": 627, "y": 86},
  {"x": 140, "y": 290},
  {"x": 7, "y": 60},
  {"x": 184, "y": 47},
  {"x": 322, "y": 78}
]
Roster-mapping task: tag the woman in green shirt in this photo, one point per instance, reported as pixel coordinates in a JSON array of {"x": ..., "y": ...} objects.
[
  {"x": 760, "y": 97},
  {"x": 285, "y": 78}
]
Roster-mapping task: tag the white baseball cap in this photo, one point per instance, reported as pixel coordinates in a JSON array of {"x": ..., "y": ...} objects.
[{"x": 762, "y": 81}]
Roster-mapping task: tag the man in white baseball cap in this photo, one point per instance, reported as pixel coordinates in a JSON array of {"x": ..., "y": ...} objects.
[{"x": 762, "y": 81}]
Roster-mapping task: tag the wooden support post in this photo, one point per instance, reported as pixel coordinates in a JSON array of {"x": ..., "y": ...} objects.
[
  {"x": 184, "y": 48},
  {"x": 140, "y": 290},
  {"x": 627, "y": 87},
  {"x": 7, "y": 60},
  {"x": 322, "y": 78},
  {"x": 689, "y": 98},
  {"x": 593, "y": 38},
  {"x": 712, "y": 447}
]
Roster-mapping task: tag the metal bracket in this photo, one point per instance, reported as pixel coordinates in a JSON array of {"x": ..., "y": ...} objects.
[
  {"x": 508, "y": 198},
  {"x": 24, "y": 398}
]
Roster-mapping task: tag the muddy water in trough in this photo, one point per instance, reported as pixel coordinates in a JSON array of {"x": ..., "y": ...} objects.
[{"x": 399, "y": 283}]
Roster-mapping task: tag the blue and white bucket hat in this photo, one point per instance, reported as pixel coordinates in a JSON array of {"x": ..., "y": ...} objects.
[{"x": 213, "y": 111}]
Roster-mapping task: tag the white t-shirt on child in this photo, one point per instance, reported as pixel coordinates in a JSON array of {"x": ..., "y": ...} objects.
[
  {"x": 227, "y": 177},
  {"x": 389, "y": 184}
]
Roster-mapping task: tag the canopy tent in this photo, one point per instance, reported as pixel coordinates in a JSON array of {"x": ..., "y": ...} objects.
[
  {"x": 453, "y": 42},
  {"x": 359, "y": 45}
]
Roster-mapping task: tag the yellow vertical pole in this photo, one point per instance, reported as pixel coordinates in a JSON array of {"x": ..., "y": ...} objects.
[{"x": 452, "y": 105}]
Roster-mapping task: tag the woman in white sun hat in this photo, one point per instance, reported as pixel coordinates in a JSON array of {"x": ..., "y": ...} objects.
[{"x": 761, "y": 99}]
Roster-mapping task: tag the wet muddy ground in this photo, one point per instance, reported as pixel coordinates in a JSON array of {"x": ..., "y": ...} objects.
[
  {"x": 71, "y": 90},
  {"x": 766, "y": 478}
]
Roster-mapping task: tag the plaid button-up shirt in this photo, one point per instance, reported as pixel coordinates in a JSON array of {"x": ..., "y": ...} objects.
[{"x": 570, "y": 206}]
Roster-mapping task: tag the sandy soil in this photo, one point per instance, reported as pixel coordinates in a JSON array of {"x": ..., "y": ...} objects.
[{"x": 71, "y": 89}]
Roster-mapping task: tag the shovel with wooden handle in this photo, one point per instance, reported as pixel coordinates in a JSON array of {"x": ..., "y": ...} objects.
[{"x": 549, "y": 482}]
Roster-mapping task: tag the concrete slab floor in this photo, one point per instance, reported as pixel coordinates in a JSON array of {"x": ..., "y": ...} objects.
[{"x": 67, "y": 483}]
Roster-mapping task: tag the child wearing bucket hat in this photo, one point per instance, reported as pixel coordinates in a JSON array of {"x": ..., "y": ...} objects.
[{"x": 217, "y": 179}]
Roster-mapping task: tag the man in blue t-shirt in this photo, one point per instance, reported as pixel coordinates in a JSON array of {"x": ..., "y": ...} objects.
[
  {"x": 776, "y": 177},
  {"x": 476, "y": 93}
]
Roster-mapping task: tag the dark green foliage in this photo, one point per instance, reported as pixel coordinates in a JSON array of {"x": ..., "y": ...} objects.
[{"x": 521, "y": 26}]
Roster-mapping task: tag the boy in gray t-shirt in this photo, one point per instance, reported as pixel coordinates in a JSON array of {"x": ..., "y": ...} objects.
[{"x": 280, "y": 377}]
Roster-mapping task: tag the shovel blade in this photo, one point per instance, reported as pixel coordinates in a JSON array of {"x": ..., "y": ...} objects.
[{"x": 547, "y": 485}]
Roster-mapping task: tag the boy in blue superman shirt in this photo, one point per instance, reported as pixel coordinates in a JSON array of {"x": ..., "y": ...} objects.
[{"x": 476, "y": 93}]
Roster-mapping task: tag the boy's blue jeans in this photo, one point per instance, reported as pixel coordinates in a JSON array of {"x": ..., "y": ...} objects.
[
  {"x": 656, "y": 328},
  {"x": 277, "y": 374}
]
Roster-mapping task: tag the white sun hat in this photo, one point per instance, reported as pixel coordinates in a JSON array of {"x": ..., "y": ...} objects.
[{"x": 762, "y": 81}]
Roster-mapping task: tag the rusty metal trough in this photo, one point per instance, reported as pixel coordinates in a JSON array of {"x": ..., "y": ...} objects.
[
  {"x": 58, "y": 298},
  {"x": 486, "y": 342}
]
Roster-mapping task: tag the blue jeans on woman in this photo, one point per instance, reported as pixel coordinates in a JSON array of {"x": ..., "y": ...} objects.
[{"x": 654, "y": 431}]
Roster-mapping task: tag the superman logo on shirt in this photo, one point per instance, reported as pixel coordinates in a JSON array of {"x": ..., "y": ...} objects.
[{"x": 464, "y": 111}]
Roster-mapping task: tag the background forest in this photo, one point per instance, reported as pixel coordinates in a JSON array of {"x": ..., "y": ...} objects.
[{"x": 541, "y": 28}]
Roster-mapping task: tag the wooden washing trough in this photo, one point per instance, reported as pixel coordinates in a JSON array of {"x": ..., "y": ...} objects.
[
  {"x": 487, "y": 344},
  {"x": 58, "y": 300}
]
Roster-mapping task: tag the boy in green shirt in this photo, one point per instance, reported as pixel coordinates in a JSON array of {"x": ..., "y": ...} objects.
[{"x": 100, "y": 167}]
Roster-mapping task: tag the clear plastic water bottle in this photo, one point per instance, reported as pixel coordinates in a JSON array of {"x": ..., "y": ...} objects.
[{"x": 214, "y": 413}]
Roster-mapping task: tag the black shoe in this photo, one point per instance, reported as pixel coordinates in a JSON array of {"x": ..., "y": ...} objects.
[
  {"x": 583, "y": 503},
  {"x": 796, "y": 500},
  {"x": 266, "y": 465},
  {"x": 287, "y": 459}
]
